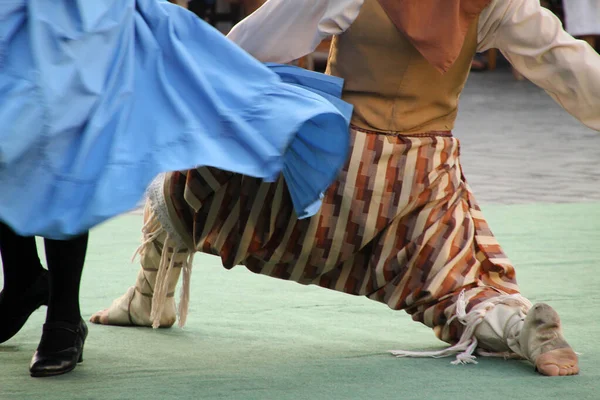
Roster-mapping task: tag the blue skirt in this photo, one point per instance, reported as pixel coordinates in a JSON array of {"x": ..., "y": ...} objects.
[{"x": 98, "y": 97}]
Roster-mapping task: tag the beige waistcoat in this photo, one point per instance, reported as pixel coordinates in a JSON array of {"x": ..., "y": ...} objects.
[{"x": 391, "y": 85}]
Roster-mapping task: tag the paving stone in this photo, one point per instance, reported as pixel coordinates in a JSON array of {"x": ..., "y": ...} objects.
[{"x": 519, "y": 146}]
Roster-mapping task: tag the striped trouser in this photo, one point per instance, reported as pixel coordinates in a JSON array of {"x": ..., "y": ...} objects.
[{"x": 400, "y": 226}]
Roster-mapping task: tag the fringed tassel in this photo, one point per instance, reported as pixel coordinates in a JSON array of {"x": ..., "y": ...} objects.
[
  {"x": 467, "y": 343},
  {"x": 150, "y": 231},
  {"x": 184, "y": 300},
  {"x": 161, "y": 286}
]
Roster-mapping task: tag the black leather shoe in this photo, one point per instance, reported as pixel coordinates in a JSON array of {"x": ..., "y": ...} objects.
[
  {"x": 15, "y": 310},
  {"x": 59, "y": 362}
]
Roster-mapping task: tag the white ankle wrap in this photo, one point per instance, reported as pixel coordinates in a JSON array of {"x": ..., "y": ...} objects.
[{"x": 468, "y": 342}]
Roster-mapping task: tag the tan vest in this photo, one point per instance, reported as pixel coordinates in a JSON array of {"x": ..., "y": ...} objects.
[{"x": 392, "y": 87}]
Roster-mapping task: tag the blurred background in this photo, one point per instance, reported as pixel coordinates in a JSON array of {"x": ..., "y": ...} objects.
[{"x": 581, "y": 18}]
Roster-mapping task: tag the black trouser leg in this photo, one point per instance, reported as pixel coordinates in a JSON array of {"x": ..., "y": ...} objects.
[{"x": 20, "y": 261}]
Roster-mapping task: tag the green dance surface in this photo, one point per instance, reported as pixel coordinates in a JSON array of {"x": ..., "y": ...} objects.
[{"x": 253, "y": 337}]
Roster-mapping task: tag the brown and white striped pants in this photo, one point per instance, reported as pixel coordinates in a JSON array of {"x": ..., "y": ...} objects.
[{"x": 400, "y": 226}]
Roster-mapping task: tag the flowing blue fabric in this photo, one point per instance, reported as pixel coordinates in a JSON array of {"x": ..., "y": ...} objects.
[{"x": 98, "y": 97}]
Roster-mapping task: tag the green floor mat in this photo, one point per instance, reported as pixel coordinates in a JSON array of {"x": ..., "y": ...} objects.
[{"x": 253, "y": 337}]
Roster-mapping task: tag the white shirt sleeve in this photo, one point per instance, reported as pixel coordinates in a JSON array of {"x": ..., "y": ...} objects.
[
  {"x": 284, "y": 30},
  {"x": 532, "y": 39}
]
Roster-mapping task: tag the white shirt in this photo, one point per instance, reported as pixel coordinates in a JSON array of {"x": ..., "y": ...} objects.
[{"x": 529, "y": 36}]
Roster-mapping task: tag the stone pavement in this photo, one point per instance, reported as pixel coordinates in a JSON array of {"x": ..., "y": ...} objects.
[{"x": 519, "y": 146}]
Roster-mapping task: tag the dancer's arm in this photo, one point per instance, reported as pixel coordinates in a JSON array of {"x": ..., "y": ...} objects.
[
  {"x": 533, "y": 40},
  {"x": 285, "y": 30}
]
